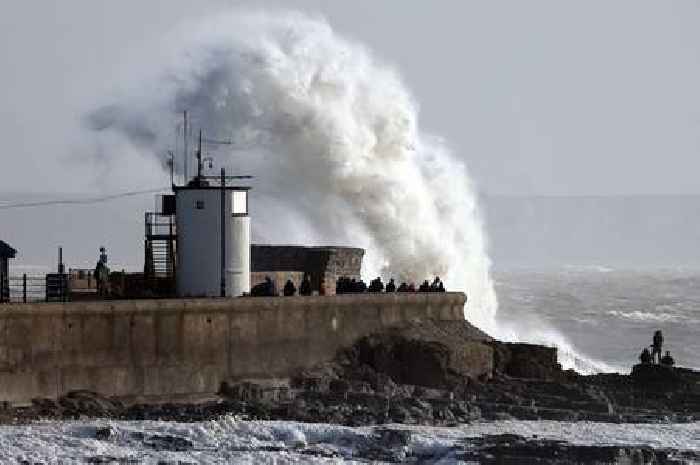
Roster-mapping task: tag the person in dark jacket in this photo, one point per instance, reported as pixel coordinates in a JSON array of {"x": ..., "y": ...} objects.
[
  {"x": 376, "y": 285},
  {"x": 667, "y": 360},
  {"x": 289, "y": 288},
  {"x": 305, "y": 288},
  {"x": 645, "y": 356},
  {"x": 391, "y": 286},
  {"x": 657, "y": 344}
]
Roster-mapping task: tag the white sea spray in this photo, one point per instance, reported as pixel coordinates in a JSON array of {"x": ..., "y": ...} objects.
[{"x": 333, "y": 137}]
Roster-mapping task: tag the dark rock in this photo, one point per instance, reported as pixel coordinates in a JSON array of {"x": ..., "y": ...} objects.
[
  {"x": 107, "y": 459},
  {"x": 510, "y": 449},
  {"x": 169, "y": 443},
  {"x": 104, "y": 433},
  {"x": 391, "y": 438}
]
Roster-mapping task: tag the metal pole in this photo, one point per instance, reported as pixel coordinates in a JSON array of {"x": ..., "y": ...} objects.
[
  {"x": 24, "y": 288},
  {"x": 185, "y": 158},
  {"x": 199, "y": 157},
  {"x": 223, "y": 232}
]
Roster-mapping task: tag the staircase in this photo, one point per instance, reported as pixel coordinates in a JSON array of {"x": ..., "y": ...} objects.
[{"x": 160, "y": 246}]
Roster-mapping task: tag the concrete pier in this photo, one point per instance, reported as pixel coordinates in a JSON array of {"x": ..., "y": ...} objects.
[{"x": 150, "y": 350}]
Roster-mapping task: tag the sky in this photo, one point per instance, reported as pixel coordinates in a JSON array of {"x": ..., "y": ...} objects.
[{"x": 541, "y": 98}]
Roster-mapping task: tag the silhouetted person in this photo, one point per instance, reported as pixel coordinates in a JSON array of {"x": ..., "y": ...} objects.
[
  {"x": 645, "y": 356},
  {"x": 264, "y": 289},
  {"x": 289, "y": 288},
  {"x": 435, "y": 284},
  {"x": 305, "y": 288},
  {"x": 403, "y": 288},
  {"x": 425, "y": 287},
  {"x": 102, "y": 274},
  {"x": 667, "y": 360},
  {"x": 376, "y": 285},
  {"x": 391, "y": 286},
  {"x": 441, "y": 287},
  {"x": 270, "y": 288},
  {"x": 342, "y": 286},
  {"x": 656, "y": 346},
  {"x": 360, "y": 287}
]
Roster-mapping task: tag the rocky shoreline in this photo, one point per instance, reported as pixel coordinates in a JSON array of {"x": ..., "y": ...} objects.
[{"x": 403, "y": 377}]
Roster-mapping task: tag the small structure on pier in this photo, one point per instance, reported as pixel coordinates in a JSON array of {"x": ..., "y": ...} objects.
[
  {"x": 200, "y": 240},
  {"x": 6, "y": 253}
]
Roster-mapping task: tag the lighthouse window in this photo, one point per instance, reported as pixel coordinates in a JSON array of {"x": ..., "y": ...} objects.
[
  {"x": 199, "y": 204},
  {"x": 240, "y": 202}
]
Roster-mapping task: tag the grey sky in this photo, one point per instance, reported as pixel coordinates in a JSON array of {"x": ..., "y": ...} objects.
[{"x": 540, "y": 97}]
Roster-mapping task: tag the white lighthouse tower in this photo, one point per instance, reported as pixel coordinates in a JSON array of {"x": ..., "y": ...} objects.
[{"x": 213, "y": 236}]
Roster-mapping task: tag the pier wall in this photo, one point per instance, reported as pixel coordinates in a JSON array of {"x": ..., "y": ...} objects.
[{"x": 148, "y": 350}]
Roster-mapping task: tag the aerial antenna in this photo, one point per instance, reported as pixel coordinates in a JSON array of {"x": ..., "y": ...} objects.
[
  {"x": 171, "y": 164},
  {"x": 184, "y": 155},
  {"x": 200, "y": 160}
]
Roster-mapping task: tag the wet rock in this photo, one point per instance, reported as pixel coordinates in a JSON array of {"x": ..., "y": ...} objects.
[
  {"x": 169, "y": 443},
  {"x": 391, "y": 438},
  {"x": 104, "y": 433},
  {"x": 108, "y": 459},
  {"x": 511, "y": 449}
]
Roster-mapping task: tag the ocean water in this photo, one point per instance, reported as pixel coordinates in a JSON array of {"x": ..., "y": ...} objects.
[
  {"x": 601, "y": 317},
  {"x": 228, "y": 440},
  {"x": 605, "y": 316}
]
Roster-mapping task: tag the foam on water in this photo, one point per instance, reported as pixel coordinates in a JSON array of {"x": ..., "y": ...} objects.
[{"x": 230, "y": 441}]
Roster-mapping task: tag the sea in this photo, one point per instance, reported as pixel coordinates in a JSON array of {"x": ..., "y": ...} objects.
[{"x": 601, "y": 318}]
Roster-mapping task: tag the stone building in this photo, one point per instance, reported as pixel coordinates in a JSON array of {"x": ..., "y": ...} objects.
[
  {"x": 324, "y": 265},
  {"x": 6, "y": 253}
]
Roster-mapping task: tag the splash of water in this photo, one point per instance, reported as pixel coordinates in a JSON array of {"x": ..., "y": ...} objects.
[{"x": 332, "y": 135}]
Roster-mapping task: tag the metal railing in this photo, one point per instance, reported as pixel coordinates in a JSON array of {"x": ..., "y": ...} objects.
[
  {"x": 158, "y": 224},
  {"x": 27, "y": 289}
]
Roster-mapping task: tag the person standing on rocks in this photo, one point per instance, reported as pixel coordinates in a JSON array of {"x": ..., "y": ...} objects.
[
  {"x": 645, "y": 356},
  {"x": 658, "y": 343},
  {"x": 668, "y": 360}
]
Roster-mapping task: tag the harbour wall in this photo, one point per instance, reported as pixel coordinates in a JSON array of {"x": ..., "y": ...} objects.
[{"x": 158, "y": 350}]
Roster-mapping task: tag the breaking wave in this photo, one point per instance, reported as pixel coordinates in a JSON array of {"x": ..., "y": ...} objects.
[{"x": 331, "y": 134}]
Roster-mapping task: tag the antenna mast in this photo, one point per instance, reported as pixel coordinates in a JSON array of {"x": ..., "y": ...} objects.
[
  {"x": 199, "y": 156},
  {"x": 184, "y": 158}
]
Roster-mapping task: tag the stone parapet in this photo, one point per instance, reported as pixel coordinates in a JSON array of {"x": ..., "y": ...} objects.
[{"x": 161, "y": 349}]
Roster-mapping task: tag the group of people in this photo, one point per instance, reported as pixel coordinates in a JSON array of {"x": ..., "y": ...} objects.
[
  {"x": 653, "y": 356},
  {"x": 267, "y": 288},
  {"x": 346, "y": 285}
]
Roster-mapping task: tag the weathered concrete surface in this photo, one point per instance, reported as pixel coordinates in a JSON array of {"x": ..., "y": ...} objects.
[
  {"x": 323, "y": 265},
  {"x": 170, "y": 349}
]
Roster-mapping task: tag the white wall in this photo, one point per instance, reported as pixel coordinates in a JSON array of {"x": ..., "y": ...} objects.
[{"x": 199, "y": 245}]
